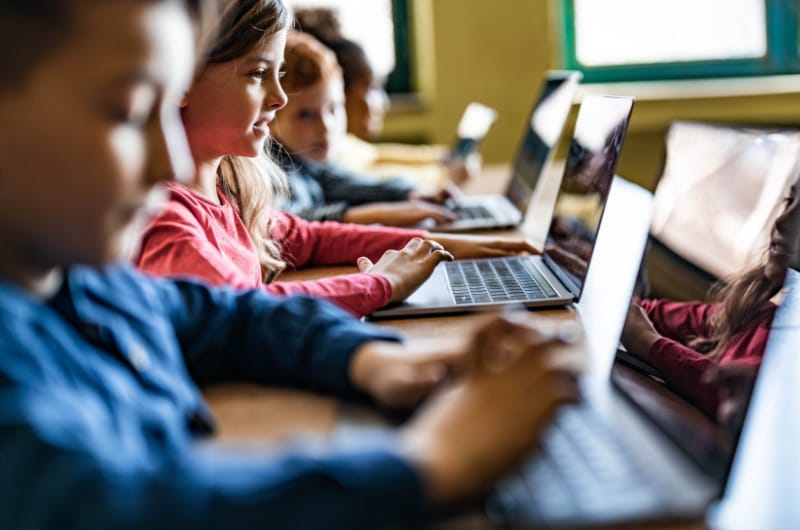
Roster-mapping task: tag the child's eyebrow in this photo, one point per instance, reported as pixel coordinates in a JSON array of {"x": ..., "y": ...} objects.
[{"x": 266, "y": 59}]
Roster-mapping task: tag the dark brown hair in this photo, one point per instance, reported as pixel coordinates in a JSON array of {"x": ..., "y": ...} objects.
[
  {"x": 740, "y": 301},
  {"x": 323, "y": 24}
]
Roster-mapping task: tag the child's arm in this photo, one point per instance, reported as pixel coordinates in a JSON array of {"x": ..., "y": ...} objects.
[
  {"x": 72, "y": 469},
  {"x": 305, "y": 243},
  {"x": 249, "y": 335},
  {"x": 138, "y": 468},
  {"x": 680, "y": 321},
  {"x": 339, "y": 184}
]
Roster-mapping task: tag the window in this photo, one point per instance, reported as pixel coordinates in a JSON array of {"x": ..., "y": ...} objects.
[
  {"x": 381, "y": 27},
  {"x": 615, "y": 40}
]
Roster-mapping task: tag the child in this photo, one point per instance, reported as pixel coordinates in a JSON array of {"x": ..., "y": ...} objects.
[
  {"x": 366, "y": 104},
  {"x": 101, "y": 421},
  {"x": 308, "y": 130},
  {"x": 215, "y": 229},
  {"x": 687, "y": 342}
]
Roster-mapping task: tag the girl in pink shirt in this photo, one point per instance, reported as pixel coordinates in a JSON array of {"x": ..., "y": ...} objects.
[
  {"x": 222, "y": 228},
  {"x": 688, "y": 342}
]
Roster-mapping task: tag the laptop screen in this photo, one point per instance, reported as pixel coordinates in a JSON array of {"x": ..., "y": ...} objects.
[
  {"x": 712, "y": 444},
  {"x": 541, "y": 135},
  {"x": 588, "y": 172}
]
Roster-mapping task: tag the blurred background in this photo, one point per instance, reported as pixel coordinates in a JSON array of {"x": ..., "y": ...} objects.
[{"x": 728, "y": 61}]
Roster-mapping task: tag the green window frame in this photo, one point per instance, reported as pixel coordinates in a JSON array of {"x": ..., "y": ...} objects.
[
  {"x": 399, "y": 80},
  {"x": 782, "y": 55}
]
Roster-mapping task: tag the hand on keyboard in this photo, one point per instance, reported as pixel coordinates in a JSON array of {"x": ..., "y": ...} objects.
[
  {"x": 407, "y": 268},
  {"x": 467, "y": 246},
  {"x": 402, "y": 213},
  {"x": 489, "y": 418}
]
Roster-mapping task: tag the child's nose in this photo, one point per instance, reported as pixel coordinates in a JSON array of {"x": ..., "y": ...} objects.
[{"x": 276, "y": 98}]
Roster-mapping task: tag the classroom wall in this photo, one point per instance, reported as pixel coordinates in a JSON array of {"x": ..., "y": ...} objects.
[{"x": 496, "y": 51}]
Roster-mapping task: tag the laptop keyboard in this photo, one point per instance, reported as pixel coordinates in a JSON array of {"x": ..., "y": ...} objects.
[
  {"x": 582, "y": 471},
  {"x": 496, "y": 280},
  {"x": 472, "y": 212}
]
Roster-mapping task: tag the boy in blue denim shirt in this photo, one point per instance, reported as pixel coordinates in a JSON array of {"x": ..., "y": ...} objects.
[{"x": 100, "y": 412}]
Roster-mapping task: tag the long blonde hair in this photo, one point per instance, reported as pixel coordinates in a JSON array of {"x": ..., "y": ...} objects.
[{"x": 253, "y": 183}]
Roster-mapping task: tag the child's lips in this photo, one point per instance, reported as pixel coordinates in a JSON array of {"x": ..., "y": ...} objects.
[
  {"x": 262, "y": 125},
  {"x": 261, "y": 128}
]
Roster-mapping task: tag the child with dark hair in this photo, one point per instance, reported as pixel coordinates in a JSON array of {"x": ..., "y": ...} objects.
[
  {"x": 366, "y": 104},
  {"x": 308, "y": 131}
]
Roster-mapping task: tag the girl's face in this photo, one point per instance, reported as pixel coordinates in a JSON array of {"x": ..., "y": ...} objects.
[
  {"x": 90, "y": 132},
  {"x": 367, "y": 103},
  {"x": 784, "y": 247},
  {"x": 230, "y": 105},
  {"x": 313, "y": 121}
]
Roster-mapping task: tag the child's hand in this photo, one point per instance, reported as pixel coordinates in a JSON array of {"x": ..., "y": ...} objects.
[
  {"x": 448, "y": 193},
  {"x": 402, "y": 213},
  {"x": 407, "y": 268},
  {"x": 462, "y": 170},
  {"x": 472, "y": 246},
  {"x": 473, "y": 431},
  {"x": 639, "y": 334},
  {"x": 401, "y": 375}
]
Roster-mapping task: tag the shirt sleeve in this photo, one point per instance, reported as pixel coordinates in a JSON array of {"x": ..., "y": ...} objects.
[
  {"x": 248, "y": 335},
  {"x": 680, "y": 321},
  {"x": 306, "y": 243},
  {"x": 360, "y": 294},
  {"x": 339, "y": 184},
  {"x": 69, "y": 470},
  {"x": 333, "y": 211},
  {"x": 175, "y": 245},
  {"x": 683, "y": 369}
]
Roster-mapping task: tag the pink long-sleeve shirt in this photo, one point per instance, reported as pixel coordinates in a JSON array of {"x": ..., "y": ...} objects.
[
  {"x": 196, "y": 237},
  {"x": 683, "y": 367}
]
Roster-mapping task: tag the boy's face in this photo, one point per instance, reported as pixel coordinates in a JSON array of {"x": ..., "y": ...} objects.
[
  {"x": 93, "y": 129},
  {"x": 367, "y": 103},
  {"x": 313, "y": 121},
  {"x": 230, "y": 105}
]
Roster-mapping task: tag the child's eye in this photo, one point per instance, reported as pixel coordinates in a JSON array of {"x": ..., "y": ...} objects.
[{"x": 258, "y": 73}]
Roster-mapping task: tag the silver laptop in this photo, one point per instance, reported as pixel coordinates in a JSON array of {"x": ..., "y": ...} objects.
[
  {"x": 556, "y": 276},
  {"x": 630, "y": 452},
  {"x": 542, "y": 131}
]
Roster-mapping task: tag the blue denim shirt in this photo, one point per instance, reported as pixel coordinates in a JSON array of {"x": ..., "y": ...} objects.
[{"x": 100, "y": 415}]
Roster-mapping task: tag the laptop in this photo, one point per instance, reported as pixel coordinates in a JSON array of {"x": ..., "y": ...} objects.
[
  {"x": 472, "y": 129},
  {"x": 631, "y": 451},
  {"x": 556, "y": 276},
  {"x": 545, "y": 124}
]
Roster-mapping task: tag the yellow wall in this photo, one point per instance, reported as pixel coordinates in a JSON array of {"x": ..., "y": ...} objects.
[{"x": 495, "y": 52}]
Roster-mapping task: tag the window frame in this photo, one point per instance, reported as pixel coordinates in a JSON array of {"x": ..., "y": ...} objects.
[
  {"x": 399, "y": 80},
  {"x": 782, "y": 57}
]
